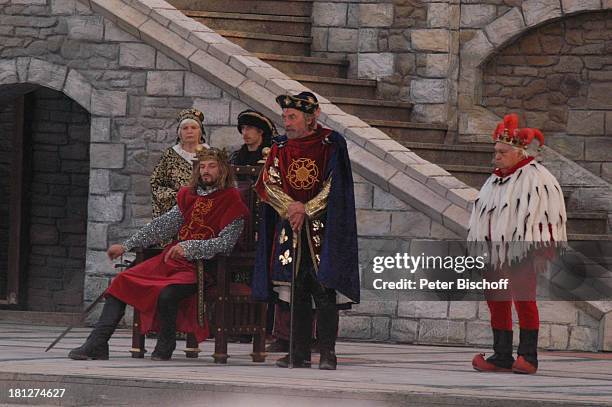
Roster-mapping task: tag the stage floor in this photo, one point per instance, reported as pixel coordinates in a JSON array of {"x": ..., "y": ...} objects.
[{"x": 369, "y": 374}]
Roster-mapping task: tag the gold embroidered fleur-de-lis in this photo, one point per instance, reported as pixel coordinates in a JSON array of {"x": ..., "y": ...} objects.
[
  {"x": 318, "y": 258},
  {"x": 282, "y": 238},
  {"x": 285, "y": 258},
  {"x": 276, "y": 162},
  {"x": 317, "y": 225},
  {"x": 316, "y": 240}
]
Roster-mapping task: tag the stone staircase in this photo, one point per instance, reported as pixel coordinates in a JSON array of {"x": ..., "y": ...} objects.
[{"x": 279, "y": 33}]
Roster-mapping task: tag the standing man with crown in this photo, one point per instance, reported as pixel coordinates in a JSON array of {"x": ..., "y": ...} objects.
[
  {"x": 208, "y": 219},
  {"x": 308, "y": 231},
  {"x": 519, "y": 215}
]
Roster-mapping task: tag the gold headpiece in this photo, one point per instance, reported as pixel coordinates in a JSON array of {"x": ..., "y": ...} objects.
[{"x": 203, "y": 154}]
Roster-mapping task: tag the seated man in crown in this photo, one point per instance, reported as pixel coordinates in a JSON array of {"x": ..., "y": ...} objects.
[{"x": 208, "y": 219}]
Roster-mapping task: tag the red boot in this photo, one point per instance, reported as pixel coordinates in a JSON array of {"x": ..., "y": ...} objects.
[
  {"x": 501, "y": 360},
  {"x": 522, "y": 366},
  {"x": 527, "y": 360},
  {"x": 480, "y": 364}
]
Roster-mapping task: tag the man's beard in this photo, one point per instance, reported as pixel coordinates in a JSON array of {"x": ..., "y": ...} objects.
[{"x": 206, "y": 184}]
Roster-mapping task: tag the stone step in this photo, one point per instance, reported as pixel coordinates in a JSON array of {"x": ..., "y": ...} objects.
[
  {"x": 405, "y": 132},
  {"x": 304, "y": 65},
  {"x": 588, "y": 222},
  {"x": 255, "y": 23},
  {"x": 339, "y": 87},
  {"x": 473, "y": 175},
  {"x": 301, "y": 8},
  {"x": 268, "y": 43},
  {"x": 40, "y": 317},
  {"x": 374, "y": 109},
  {"x": 454, "y": 154}
]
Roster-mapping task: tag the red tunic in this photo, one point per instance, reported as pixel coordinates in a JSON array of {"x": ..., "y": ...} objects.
[{"x": 140, "y": 286}]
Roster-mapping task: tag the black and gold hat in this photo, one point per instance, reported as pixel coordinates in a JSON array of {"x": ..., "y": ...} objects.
[
  {"x": 191, "y": 114},
  {"x": 259, "y": 120},
  {"x": 306, "y": 102}
]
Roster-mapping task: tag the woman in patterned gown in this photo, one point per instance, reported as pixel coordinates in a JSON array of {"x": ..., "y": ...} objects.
[{"x": 175, "y": 166}]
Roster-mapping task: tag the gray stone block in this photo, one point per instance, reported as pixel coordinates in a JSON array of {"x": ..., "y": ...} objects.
[
  {"x": 598, "y": 148},
  {"x": 134, "y": 55},
  {"x": 107, "y": 155},
  {"x": 559, "y": 337},
  {"x": 78, "y": 88},
  {"x": 343, "y": 40},
  {"x": 479, "y": 333},
  {"x": 165, "y": 83},
  {"x": 87, "y": 28},
  {"x": 166, "y": 63},
  {"x": 438, "y": 15},
  {"x": 355, "y": 327},
  {"x": 385, "y": 200},
  {"x": 97, "y": 235},
  {"x": 422, "y": 309},
  {"x": 363, "y": 196},
  {"x": 463, "y": 310},
  {"x": 47, "y": 74},
  {"x": 375, "y": 65},
  {"x": 410, "y": 224},
  {"x": 329, "y": 14},
  {"x": 368, "y": 40},
  {"x": 216, "y": 112},
  {"x": 583, "y": 338},
  {"x": 428, "y": 90},
  {"x": 505, "y": 27},
  {"x": 441, "y": 331},
  {"x": 63, "y": 6},
  {"x": 108, "y": 102},
  {"x": 436, "y": 65},
  {"x": 376, "y": 15},
  {"x": 100, "y": 129},
  {"x": 404, "y": 330},
  {"x": 380, "y": 328},
  {"x": 373, "y": 223},
  {"x": 320, "y": 36},
  {"x": 559, "y": 312},
  {"x": 430, "y": 40},
  {"x": 99, "y": 181},
  {"x": 94, "y": 286},
  {"x": 542, "y": 10},
  {"x": 196, "y": 86},
  {"x": 477, "y": 15},
  {"x": 8, "y": 72},
  {"x": 585, "y": 122},
  {"x": 114, "y": 33},
  {"x": 106, "y": 208}
]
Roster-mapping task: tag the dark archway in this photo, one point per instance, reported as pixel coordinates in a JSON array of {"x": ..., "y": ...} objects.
[{"x": 44, "y": 186}]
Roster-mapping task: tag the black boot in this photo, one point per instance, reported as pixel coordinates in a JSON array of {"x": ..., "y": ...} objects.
[
  {"x": 327, "y": 329},
  {"x": 527, "y": 360},
  {"x": 166, "y": 339},
  {"x": 302, "y": 333},
  {"x": 502, "y": 348},
  {"x": 96, "y": 345},
  {"x": 501, "y": 360}
]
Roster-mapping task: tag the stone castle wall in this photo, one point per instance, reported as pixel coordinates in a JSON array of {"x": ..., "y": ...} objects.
[{"x": 559, "y": 78}]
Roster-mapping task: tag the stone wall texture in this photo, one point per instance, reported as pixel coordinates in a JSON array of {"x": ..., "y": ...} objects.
[
  {"x": 559, "y": 78},
  {"x": 7, "y": 120}
]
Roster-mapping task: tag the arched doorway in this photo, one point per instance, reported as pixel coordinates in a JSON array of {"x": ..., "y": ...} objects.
[{"x": 44, "y": 186}]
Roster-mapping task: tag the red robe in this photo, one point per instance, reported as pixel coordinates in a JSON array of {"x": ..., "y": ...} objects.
[{"x": 140, "y": 286}]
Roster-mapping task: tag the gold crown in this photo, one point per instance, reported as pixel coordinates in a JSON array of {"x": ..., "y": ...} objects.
[
  {"x": 510, "y": 139},
  {"x": 203, "y": 154}
]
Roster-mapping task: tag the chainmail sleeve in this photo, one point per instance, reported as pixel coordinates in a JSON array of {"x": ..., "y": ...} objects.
[
  {"x": 159, "y": 230},
  {"x": 224, "y": 243}
]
